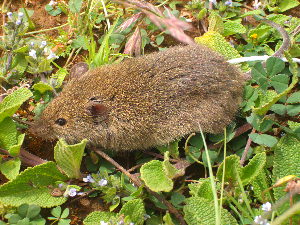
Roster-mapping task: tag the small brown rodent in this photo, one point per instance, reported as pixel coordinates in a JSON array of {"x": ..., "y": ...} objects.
[{"x": 146, "y": 101}]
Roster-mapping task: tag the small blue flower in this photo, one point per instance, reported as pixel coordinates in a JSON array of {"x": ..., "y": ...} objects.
[
  {"x": 213, "y": 1},
  {"x": 228, "y": 3},
  {"x": 88, "y": 179},
  {"x": 32, "y": 53},
  {"x": 72, "y": 192},
  {"x": 20, "y": 15},
  {"x": 267, "y": 207},
  {"x": 18, "y": 22},
  {"x": 31, "y": 44},
  {"x": 103, "y": 223},
  {"x": 103, "y": 182},
  {"x": 260, "y": 220},
  {"x": 43, "y": 44},
  {"x": 52, "y": 55},
  {"x": 10, "y": 15}
]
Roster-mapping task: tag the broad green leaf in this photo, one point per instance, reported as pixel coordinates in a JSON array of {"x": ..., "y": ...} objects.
[
  {"x": 15, "y": 149},
  {"x": 294, "y": 98},
  {"x": 279, "y": 109},
  {"x": 32, "y": 187},
  {"x": 254, "y": 167},
  {"x": 58, "y": 77},
  {"x": 286, "y": 162},
  {"x": 68, "y": 157},
  {"x": 285, "y": 5},
  {"x": 217, "y": 42},
  {"x": 10, "y": 169},
  {"x": 33, "y": 211},
  {"x": 169, "y": 169},
  {"x": 261, "y": 183},
  {"x": 201, "y": 211},
  {"x": 134, "y": 210},
  {"x": 293, "y": 110},
  {"x": 280, "y": 82},
  {"x": 171, "y": 147},
  {"x": 75, "y": 5},
  {"x": 294, "y": 69},
  {"x": 168, "y": 219},
  {"x": 274, "y": 66},
  {"x": 154, "y": 176},
  {"x": 56, "y": 211},
  {"x": 12, "y": 102},
  {"x": 232, "y": 27},
  {"x": 252, "y": 12},
  {"x": 42, "y": 87},
  {"x": 263, "y": 139},
  {"x": 232, "y": 169},
  {"x": 8, "y": 133},
  {"x": 202, "y": 189},
  {"x": 96, "y": 217},
  {"x": 215, "y": 22}
]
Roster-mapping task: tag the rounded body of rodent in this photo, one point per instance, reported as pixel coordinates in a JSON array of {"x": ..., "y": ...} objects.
[{"x": 146, "y": 101}]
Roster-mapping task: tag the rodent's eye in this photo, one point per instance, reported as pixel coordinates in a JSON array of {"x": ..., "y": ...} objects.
[{"x": 61, "y": 121}]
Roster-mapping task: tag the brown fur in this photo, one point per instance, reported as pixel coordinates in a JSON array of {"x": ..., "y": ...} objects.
[{"x": 147, "y": 101}]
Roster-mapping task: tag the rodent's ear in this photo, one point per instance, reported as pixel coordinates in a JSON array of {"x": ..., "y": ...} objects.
[
  {"x": 78, "y": 70},
  {"x": 98, "y": 111}
]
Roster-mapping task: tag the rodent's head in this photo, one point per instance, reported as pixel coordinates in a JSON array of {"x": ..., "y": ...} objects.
[{"x": 71, "y": 117}]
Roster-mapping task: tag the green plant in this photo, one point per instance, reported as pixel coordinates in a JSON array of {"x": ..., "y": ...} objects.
[
  {"x": 26, "y": 215},
  {"x": 59, "y": 216}
]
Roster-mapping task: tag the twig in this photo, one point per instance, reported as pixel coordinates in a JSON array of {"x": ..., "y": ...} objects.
[
  {"x": 239, "y": 131},
  {"x": 27, "y": 158},
  {"x": 286, "y": 39},
  {"x": 138, "y": 183},
  {"x": 245, "y": 153}
]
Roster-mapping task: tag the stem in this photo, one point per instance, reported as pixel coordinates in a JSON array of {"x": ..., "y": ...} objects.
[
  {"x": 138, "y": 183},
  {"x": 45, "y": 30},
  {"x": 288, "y": 213},
  {"x": 245, "y": 153},
  {"x": 106, "y": 14},
  {"x": 212, "y": 181},
  {"x": 223, "y": 174}
]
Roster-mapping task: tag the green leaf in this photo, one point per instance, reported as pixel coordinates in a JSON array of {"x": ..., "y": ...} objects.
[
  {"x": 42, "y": 87},
  {"x": 15, "y": 149},
  {"x": 279, "y": 109},
  {"x": 171, "y": 147},
  {"x": 94, "y": 218},
  {"x": 10, "y": 169},
  {"x": 286, "y": 162},
  {"x": 135, "y": 210},
  {"x": 254, "y": 167},
  {"x": 202, "y": 189},
  {"x": 274, "y": 66},
  {"x": 215, "y": 22},
  {"x": 75, "y": 6},
  {"x": 68, "y": 157},
  {"x": 8, "y": 133},
  {"x": 232, "y": 27},
  {"x": 232, "y": 169},
  {"x": 217, "y": 42},
  {"x": 263, "y": 139},
  {"x": 154, "y": 176},
  {"x": 12, "y": 102},
  {"x": 285, "y": 5},
  {"x": 32, "y": 187},
  {"x": 261, "y": 183},
  {"x": 65, "y": 213},
  {"x": 294, "y": 98},
  {"x": 169, "y": 169},
  {"x": 159, "y": 39},
  {"x": 201, "y": 211},
  {"x": 293, "y": 110},
  {"x": 280, "y": 82},
  {"x": 33, "y": 211},
  {"x": 56, "y": 212}
]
